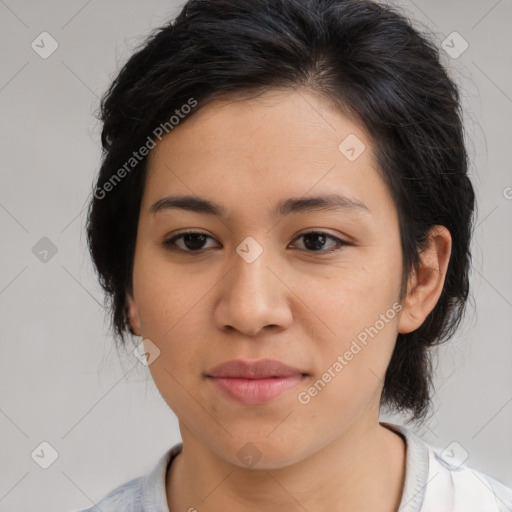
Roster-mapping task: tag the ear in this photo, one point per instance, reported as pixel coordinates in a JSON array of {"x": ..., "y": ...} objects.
[
  {"x": 426, "y": 284},
  {"x": 132, "y": 316}
]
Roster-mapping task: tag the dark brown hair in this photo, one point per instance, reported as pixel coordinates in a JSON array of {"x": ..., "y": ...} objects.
[{"x": 366, "y": 57}]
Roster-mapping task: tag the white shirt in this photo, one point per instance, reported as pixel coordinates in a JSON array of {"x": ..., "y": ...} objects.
[{"x": 434, "y": 482}]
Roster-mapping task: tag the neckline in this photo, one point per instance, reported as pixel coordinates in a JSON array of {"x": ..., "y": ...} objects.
[
  {"x": 416, "y": 469},
  {"x": 415, "y": 478}
]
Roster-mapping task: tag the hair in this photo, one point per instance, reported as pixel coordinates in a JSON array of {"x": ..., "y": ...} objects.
[{"x": 364, "y": 56}]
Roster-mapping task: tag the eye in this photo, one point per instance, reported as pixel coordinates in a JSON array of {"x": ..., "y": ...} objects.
[
  {"x": 316, "y": 240},
  {"x": 193, "y": 241}
]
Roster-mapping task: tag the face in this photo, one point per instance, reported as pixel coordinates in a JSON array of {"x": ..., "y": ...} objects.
[{"x": 313, "y": 287}]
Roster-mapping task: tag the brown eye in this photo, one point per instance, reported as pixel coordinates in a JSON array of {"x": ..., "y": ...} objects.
[
  {"x": 314, "y": 241},
  {"x": 192, "y": 241}
]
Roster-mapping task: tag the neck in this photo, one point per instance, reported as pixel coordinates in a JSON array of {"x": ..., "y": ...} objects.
[{"x": 337, "y": 476}]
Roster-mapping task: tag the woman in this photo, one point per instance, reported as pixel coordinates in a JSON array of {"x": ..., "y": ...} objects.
[{"x": 283, "y": 214}]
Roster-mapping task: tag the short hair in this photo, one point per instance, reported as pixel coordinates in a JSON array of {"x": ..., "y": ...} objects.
[{"x": 372, "y": 63}]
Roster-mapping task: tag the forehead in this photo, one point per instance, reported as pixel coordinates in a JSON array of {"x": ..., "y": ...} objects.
[
  {"x": 259, "y": 149},
  {"x": 281, "y": 117}
]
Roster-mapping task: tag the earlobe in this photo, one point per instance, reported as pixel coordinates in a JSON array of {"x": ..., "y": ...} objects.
[
  {"x": 132, "y": 316},
  {"x": 426, "y": 283}
]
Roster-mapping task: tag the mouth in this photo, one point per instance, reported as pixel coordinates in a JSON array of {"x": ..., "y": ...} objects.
[{"x": 253, "y": 383}]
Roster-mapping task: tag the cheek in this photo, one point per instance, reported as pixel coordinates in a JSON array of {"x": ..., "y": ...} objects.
[
  {"x": 169, "y": 316},
  {"x": 169, "y": 304},
  {"x": 354, "y": 363},
  {"x": 358, "y": 310},
  {"x": 351, "y": 297},
  {"x": 163, "y": 294}
]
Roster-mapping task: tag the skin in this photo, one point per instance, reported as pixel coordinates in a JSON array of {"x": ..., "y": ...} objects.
[{"x": 294, "y": 303}]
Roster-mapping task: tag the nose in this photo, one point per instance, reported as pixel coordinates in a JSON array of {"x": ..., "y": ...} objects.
[{"x": 253, "y": 297}]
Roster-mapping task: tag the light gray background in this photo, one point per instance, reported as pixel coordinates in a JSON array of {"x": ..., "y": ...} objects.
[{"x": 61, "y": 379}]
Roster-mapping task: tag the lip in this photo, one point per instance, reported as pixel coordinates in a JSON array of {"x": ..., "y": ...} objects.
[
  {"x": 264, "y": 368},
  {"x": 254, "y": 382}
]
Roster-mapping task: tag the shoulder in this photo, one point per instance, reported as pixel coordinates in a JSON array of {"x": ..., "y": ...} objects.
[
  {"x": 125, "y": 498},
  {"x": 145, "y": 493},
  {"x": 437, "y": 480},
  {"x": 467, "y": 489}
]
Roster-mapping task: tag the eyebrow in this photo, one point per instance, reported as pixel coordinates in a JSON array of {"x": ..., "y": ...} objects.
[{"x": 326, "y": 202}]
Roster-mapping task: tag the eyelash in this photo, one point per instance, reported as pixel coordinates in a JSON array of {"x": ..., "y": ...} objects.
[{"x": 170, "y": 245}]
